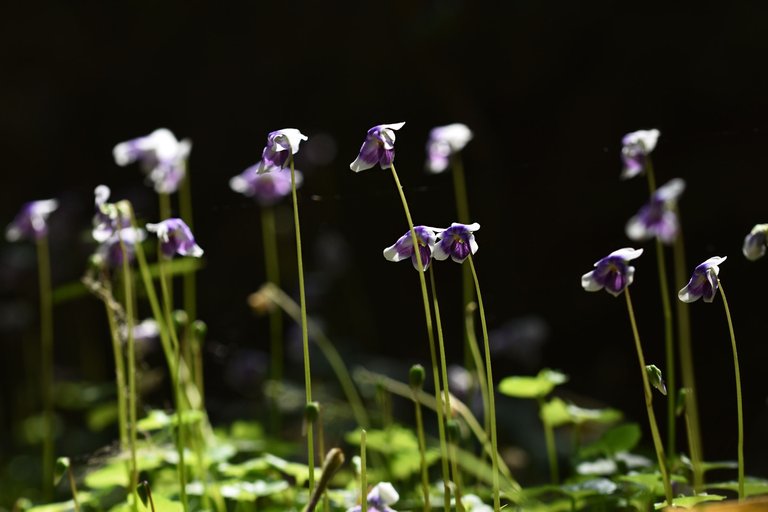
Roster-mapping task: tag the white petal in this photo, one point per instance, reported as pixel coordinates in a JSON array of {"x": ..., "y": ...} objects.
[
  {"x": 714, "y": 261},
  {"x": 472, "y": 244},
  {"x": 627, "y": 253},
  {"x": 196, "y": 251},
  {"x": 670, "y": 191},
  {"x": 101, "y": 194},
  {"x": 685, "y": 295},
  {"x": 293, "y": 136},
  {"x": 122, "y": 154},
  {"x": 636, "y": 230},
  {"x": 456, "y": 135},
  {"x": 647, "y": 138},
  {"x": 393, "y": 126},
  {"x": 238, "y": 184},
  {"x": 392, "y": 254},
  {"x": 589, "y": 284},
  {"x": 45, "y": 207},
  {"x": 12, "y": 234},
  {"x": 385, "y": 493},
  {"x": 360, "y": 165},
  {"x": 163, "y": 142},
  {"x": 438, "y": 253}
]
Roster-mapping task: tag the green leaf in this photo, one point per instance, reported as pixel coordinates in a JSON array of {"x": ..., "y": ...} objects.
[
  {"x": 141, "y": 490},
  {"x": 101, "y": 416},
  {"x": 62, "y": 506},
  {"x": 690, "y": 501},
  {"x": 532, "y": 387},
  {"x": 752, "y": 486},
  {"x": 243, "y": 469},
  {"x": 158, "y": 420},
  {"x": 249, "y": 491},
  {"x": 580, "y": 415},
  {"x": 621, "y": 438},
  {"x": 111, "y": 475},
  {"x": 555, "y": 413},
  {"x": 298, "y": 471}
]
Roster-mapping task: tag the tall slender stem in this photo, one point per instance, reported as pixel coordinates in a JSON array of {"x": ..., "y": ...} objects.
[
  {"x": 649, "y": 402},
  {"x": 304, "y": 331},
  {"x": 177, "y": 386},
  {"x": 117, "y": 350},
  {"x": 446, "y": 390},
  {"x": 46, "y": 363},
  {"x": 549, "y": 439},
  {"x": 272, "y": 264},
  {"x": 189, "y": 282},
  {"x": 422, "y": 452},
  {"x": 739, "y": 407},
  {"x": 165, "y": 213},
  {"x": 73, "y": 488},
  {"x": 129, "y": 316},
  {"x": 469, "y": 323},
  {"x": 431, "y": 337},
  {"x": 491, "y": 388},
  {"x": 363, "y": 473},
  {"x": 686, "y": 363}
]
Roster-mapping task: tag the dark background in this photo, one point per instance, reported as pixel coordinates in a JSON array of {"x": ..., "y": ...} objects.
[{"x": 548, "y": 88}]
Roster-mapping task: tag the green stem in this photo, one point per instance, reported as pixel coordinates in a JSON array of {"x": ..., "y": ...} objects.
[
  {"x": 363, "y": 474},
  {"x": 272, "y": 263},
  {"x": 422, "y": 452},
  {"x": 119, "y": 376},
  {"x": 304, "y": 331},
  {"x": 431, "y": 337},
  {"x": 739, "y": 408},
  {"x": 669, "y": 370},
  {"x": 549, "y": 439},
  {"x": 73, "y": 489},
  {"x": 649, "y": 403},
  {"x": 491, "y": 388},
  {"x": 129, "y": 316},
  {"x": 165, "y": 213},
  {"x": 321, "y": 449},
  {"x": 177, "y": 385},
  {"x": 446, "y": 389},
  {"x": 189, "y": 282},
  {"x": 469, "y": 322},
  {"x": 46, "y": 363},
  {"x": 686, "y": 363}
]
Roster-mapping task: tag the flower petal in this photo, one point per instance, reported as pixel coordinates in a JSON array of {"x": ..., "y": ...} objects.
[{"x": 589, "y": 283}]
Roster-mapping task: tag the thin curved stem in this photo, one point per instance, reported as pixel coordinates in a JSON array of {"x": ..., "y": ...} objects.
[
  {"x": 189, "y": 282},
  {"x": 431, "y": 337},
  {"x": 469, "y": 323},
  {"x": 549, "y": 439},
  {"x": 422, "y": 452},
  {"x": 304, "y": 331},
  {"x": 649, "y": 402},
  {"x": 491, "y": 388},
  {"x": 739, "y": 406},
  {"x": 272, "y": 264}
]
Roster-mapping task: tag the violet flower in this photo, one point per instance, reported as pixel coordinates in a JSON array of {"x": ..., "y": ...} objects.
[
  {"x": 612, "y": 272},
  {"x": 703, "y": 283},
  {"x": 280, "y": 145},
  {"x": 175, "y": 238},
  {"x": 403, "y": 248},
  {"x": 32, "y": 220},
  {"x": 658, "y": 217},
  {"x": 161, "y": 156},
  {"x": 107, "y": 218},
  {"x": 379, "y": 499},
  {"x": 636, "y": 147},
  {"x": 378, "y": 148},
  {"x": 755, "y": 242},
  {"x": 267, "y": 188},
  {"x": 443, "y": 142},
  {"x": 457, "y": 241}
]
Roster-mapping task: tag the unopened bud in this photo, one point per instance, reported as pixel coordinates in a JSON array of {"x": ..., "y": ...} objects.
[{"x": 416, "y": 376}]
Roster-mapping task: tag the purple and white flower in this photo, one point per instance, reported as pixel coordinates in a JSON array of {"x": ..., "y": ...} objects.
[
  {"x": 443, "y": 142},
  {"x": 32, "y": 220},
  {"x": 108, "y": 218},
  {"x": 636, "y": 147},
  {"x": 403, "y": 248},
  {"x": 457, "y": 241},
  {"x": 755, "y": 242},
  {"x": 110, "y": 253},
  {"x": 703, "y": 283},
  {"x": 379, "y": 499},
  {"x": 378, "y": 148},
  {"x": 280, "y": 145},
  {"x": 612, "y": 272},
  {"x": 175, "y": 238},
  {"x": 268, "y": 188},
  {"x": 658, "y": 217},
  {"x": 161, "y": 156}
]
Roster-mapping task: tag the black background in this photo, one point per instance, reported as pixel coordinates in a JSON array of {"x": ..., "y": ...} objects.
[{"x": 548, "y": 88}]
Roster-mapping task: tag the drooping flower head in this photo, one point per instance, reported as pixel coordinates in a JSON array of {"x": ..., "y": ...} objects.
[
  {"x": 658, "y": 218},
  {"x": 378, "y": 148},
  {"x": 379, "y": 499},
  {"x": 175, "y": 238},
  {"x": 110, "y": 253},
  {"x": 32, "y": 220},
  {"x": 457, "y": 241},
  {"x": 267, "y": 188},
  {"x": 443, "y": 142},
  {"x": 636, "y": 147},
  {"x": 108, "y": 218},
  {"x": 403, "y": 248},
  {"x": 612, "y": 272},
  {"x": 280, "y": 145},
  {"x": 161, "y": 156},
  {"x": 754, "y": 242},
  {"x": 703, "y": 283}
]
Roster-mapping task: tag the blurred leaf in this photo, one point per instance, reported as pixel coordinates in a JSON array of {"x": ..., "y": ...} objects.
[
  {"x": 63, "y": 506},
  {"x": 243, "y": 469},
  {"x": 621, "y": 438},
  {"x": 62, "y": 465},
  {"x": 78, "y": 396},
  {"x": 158, "y": 420},
  {"x": 752, "y": 486},
  {"x": 111, "y": 475},
  {"x": 249, "y": 491},
  {"x": 141, "y": 490},
  {"x": 162, "y": 504},
  {"x": 690, "y": 501},
  {"x": 532, "y": 387},
  {"x": 101, "y": 416},
  {"x": 555, "y": 413},
  {"x": 652, "y": 482},
  {"x": 300, "y": 472}
]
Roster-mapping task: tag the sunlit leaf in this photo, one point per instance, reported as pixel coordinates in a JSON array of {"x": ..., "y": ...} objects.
[
  {"x": 241, "y": 470},
  {"x": 752, "y": 486},
  {"x": 249, "y": 491},
  {"x": 101, "y": 416},
  {"x": 158, "y": 420},
  {"x": 111, "y": 475},
  {"x": 689, "y": 501},
  {"x": 532, "y": 387},
  {"x": 621, "y": 438},
  {"x": 300, "y": 472}
]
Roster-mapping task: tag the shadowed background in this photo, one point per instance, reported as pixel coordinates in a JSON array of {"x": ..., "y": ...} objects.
[{"x": 548, "y": 88}]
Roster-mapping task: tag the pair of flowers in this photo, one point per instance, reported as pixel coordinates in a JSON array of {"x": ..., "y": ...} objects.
[
  {"x": 112, "y": 225},
  {"x": 456, "y": 242},
  {"x": 614, "y": 273}
]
